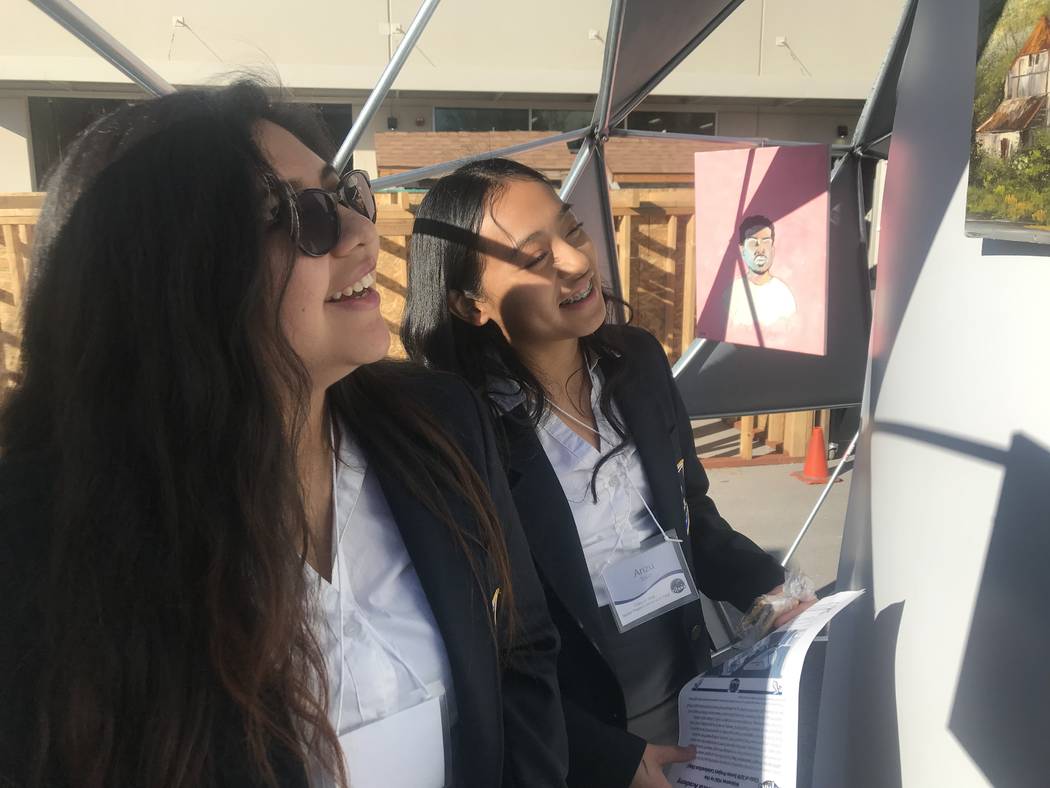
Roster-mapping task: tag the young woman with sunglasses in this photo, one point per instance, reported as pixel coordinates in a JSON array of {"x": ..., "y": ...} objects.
[
  {"x": 504, "y": 289},
  {"x": 236, "y": 549}
]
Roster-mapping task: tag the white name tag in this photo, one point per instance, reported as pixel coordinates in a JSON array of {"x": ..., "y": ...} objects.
[
  {"x": 648, "y": 583},
  {"x": 407, "y": 748}
]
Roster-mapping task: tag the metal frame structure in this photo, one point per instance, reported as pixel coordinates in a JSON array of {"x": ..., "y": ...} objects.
[
  {"x": 675, "y": 61},
  {"x": 820, "y": 501},
  {"x": 608, "y": 224},
  {"x": 90, "y": 33},
  {"x": 760, "y": 142},
  {"x": 605, "y": 117},
  {"x": 583, "y": 158},
  {"x": 591, "y": 155},
  {"x": 603, "y": 105},
  {"x": 386, "y": 79}
]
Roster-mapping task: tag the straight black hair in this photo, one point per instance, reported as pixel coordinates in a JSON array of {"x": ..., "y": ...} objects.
[
  {"x": 155, "y": 383},
  {"x": 750, "y": 223},
  {"x": 445, "y": 256}
]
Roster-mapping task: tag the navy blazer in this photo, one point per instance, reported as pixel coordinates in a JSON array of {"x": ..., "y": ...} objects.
[
  {"x": 511, "y": 730},
  {"x": 726, "y": 565}
]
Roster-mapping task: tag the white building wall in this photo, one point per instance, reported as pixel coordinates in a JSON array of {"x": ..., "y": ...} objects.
[
  {"x": 16, "y": 171},
  {"x": 805, "y": 127},
  {"x": 992, "y": 143},
  {"x": 543, "y": 46},
  {"x": 1029, "y": 78},
  {"x": 772, "y": 51}
]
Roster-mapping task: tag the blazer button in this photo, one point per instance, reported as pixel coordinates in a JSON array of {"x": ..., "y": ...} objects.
[{"x": 696, "y": 632}]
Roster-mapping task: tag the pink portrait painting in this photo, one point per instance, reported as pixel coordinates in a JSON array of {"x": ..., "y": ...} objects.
[{"x": 762, "y": 247}]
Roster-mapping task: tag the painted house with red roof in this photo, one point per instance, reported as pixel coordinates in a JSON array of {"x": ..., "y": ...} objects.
[{"x": 1026, "y": 93}]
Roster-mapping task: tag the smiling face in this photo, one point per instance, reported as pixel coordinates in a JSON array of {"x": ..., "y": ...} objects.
[
  {"x": 539, "y": 281},
  {"x": 329, "y": 311}
]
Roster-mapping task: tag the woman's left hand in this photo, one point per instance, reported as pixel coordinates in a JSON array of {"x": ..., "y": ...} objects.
[{"x": 791, "y": 614}]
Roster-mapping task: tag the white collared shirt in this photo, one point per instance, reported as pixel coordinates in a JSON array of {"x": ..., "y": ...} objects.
[
  {"x": 618, "y": 524},
  {"x": 391, "y": 655}
]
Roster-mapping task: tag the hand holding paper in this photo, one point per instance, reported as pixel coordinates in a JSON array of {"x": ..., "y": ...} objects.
[
  {"x": 778, "y": 607},
  {"x": 650, "y": 772}
]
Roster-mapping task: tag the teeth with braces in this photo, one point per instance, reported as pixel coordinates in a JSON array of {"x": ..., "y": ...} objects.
[
  {"x": 579, "y": 296},
  {"x": 357, "y": 289}
]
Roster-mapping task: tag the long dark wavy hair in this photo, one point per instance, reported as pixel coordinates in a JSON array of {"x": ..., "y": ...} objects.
[
  {"x": 445, "y": 255},
  {"x": 155, "y": 381}
]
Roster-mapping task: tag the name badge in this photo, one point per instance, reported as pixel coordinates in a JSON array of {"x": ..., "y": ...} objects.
[
  {"x": 375, "y": 754},
  {"x": 648, "y": 583}
]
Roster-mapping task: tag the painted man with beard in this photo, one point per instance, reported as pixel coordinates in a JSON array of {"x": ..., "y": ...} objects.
[{"x": 760, "y": 298}]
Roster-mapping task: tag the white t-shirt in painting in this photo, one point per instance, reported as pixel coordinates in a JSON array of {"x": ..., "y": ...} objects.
[{"x": 772, "y": 300}]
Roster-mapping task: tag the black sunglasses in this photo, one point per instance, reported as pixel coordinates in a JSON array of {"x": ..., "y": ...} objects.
[{"x": 314, "y": 213}]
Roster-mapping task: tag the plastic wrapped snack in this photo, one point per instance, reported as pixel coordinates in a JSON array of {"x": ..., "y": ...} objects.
[{"x": 769, "y": 607}]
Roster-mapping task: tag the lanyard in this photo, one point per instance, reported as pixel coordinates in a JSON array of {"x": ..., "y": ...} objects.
[{"x": 625, "y": 473}]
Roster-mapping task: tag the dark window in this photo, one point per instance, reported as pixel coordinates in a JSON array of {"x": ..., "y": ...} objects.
[
  {"x": 480, "y": 119},
  {"x": 675, "y": 122},
  {"x": 55, "y": 122},
  {"x": 337, "y": 119},
  {"x": 560, "y": 119}
]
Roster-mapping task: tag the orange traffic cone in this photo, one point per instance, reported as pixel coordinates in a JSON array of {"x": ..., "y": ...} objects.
[{"x": 816, "y": 468}]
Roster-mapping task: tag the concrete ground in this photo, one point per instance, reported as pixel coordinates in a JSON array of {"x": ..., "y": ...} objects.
[{"x": 769, "y": 505}]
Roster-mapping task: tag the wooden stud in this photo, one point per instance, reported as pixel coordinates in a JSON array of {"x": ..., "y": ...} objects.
[
  {"x": 13, "y": 254},
  {"x": 797, "y": 431},
  {"x": 775, "y": 432},
  {"x": 747, "y": 436},
  {"x": 689, "y": 286},
  {"x": 670, "y": 294},
  {"x": 623, "y": 254},
  {"x": 791, "y": 434},
  {"x": 20, "y": 261}
]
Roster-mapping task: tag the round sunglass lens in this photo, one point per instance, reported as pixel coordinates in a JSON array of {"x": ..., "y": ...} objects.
[
  {"x": 318, "y": 222},
  {"x": 357, "y": 194}
]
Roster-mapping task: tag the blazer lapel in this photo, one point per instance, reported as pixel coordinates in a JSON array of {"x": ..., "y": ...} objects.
[
  {"x": 461, "y": 614},
  {"x": 548, "y": 523}
]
